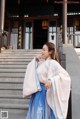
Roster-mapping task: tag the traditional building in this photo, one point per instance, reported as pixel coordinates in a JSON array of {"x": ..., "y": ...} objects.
[{"x": 30, "y": 23}]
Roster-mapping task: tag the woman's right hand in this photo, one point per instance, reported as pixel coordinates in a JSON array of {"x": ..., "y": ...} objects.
[{"x": 38, "y": 57}]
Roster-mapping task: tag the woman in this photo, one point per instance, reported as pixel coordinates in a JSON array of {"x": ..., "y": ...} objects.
[{"x": 50, "y": 99}]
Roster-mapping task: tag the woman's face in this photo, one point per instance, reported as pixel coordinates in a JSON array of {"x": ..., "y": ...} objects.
[{"x": 45, "y": 52}]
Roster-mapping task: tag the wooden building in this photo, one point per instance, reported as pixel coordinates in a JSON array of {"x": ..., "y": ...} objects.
[{"x": 30, "y": 23}]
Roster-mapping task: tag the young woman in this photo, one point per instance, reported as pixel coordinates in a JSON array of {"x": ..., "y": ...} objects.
[{"x": 50, "y": 92}]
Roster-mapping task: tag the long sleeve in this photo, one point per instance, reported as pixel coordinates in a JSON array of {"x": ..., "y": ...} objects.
[
  {"x": 31, "y": 82},
  {"x": 60, "y": 90}
]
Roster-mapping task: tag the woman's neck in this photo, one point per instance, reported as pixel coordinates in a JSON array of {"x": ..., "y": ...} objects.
[{"x": 48, "y": 58}]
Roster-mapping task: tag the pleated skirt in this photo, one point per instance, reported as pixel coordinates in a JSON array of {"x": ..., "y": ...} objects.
[{"x": 38, "y": 107}]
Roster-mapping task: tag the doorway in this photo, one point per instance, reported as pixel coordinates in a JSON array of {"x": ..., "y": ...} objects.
[{"x": 40, "y": 35}]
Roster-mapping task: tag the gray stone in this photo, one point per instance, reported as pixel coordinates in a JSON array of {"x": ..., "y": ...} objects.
[{"x": 73, "y": 67}]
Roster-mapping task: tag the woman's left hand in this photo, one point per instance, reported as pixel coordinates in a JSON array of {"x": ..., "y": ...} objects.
[{"x": 48, "y": 84}]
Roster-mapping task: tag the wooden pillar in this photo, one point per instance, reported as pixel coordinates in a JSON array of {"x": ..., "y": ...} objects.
[
  {"x": 65, "y": 40},
  {"x": 2, "y": 14}
]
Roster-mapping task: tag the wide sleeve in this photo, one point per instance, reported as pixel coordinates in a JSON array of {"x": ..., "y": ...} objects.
[
  {"x": 31, "y": 82},
  {"x": 58, "y": 95}
]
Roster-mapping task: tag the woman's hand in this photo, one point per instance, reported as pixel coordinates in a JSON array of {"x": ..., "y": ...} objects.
[
  {"x": 38, "y": 57},
  {"x": 48, "y": 84}
]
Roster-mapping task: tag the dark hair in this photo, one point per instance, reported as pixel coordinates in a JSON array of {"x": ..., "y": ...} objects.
[{"x": 51, "y": 48}]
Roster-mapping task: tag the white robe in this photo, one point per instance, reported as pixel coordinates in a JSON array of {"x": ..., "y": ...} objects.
[{"x": 58, "y": 95}]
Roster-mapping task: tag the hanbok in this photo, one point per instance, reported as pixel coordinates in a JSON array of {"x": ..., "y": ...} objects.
[{"x": 51, "y": 103}]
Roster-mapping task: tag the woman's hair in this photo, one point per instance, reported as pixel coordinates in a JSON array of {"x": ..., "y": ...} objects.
[{"x": 51, "y": 48}]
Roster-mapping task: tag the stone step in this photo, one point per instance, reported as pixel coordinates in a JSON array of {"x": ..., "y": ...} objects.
[
  {"x": 14, "y": 106},
  {"x": 14, "y": 101},
  {"x": 22, "y": 53},
  {"x": 16, "y": 113},
  {"x": 9, "y": 75},
  {"x": 25, "y": 51},
  {"x": 14, "y": 63},
  {"x": 17, "y": 57},
  {"x": 12, "y": 70},
  {"x": 77, "y": 50},
  {"x": 14, "y": 60},
  {"x": 11, "y": 86},
  {"x": 11, "y": 94},
  {"x": 9, "y": 66},
  {"x": 78, "y": 53},
  {"x": 16, "y": 52},
  {"x": 11, "y": 80},
  {"x": 21, "y": 50}
]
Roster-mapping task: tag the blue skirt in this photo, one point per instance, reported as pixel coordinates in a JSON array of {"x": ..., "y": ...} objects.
[{"x": 38, "y": 107}]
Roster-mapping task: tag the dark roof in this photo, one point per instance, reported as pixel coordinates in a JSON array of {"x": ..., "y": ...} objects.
[{"x": 34, "y": 7}]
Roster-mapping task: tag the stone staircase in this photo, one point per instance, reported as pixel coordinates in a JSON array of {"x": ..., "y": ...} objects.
[
  {"x": 13, "y": 64},
  {"x": 78, "y": 52}
]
